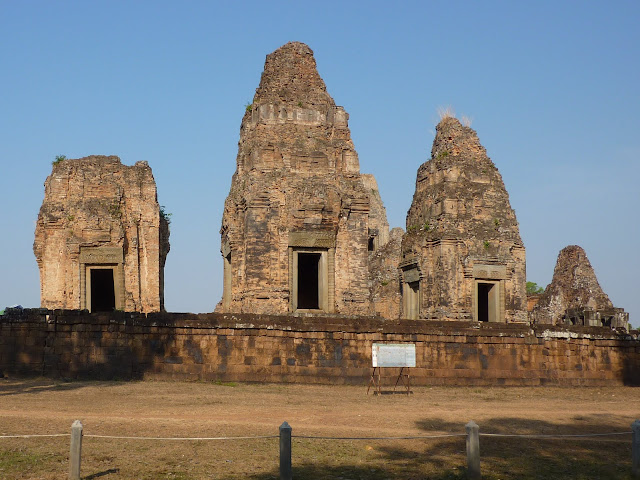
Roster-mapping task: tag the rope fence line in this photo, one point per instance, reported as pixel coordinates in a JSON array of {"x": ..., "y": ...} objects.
[
  {"x": 512, "y": 435},
  {"x": 180, "y": 438},
  {"x": 313, "y": 437},
  {"x": 472, "y": 442},
  {"x": 319, "y": 437},
  {"x": 316, "y": 437}
]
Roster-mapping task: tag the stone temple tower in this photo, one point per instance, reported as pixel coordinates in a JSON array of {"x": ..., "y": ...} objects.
[
  {"x": 574, "y": 296},
  {"x": 101, "y": 238},
  {"x": 462, "y": 256},
  {"x": 297, "y": 223}
]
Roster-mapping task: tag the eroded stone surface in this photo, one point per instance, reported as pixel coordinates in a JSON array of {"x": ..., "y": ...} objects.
[
  {"x": 574, "y": 295},
  {"x": 386, "y": 288},
  {"x": 378, "y": 225},
  {"x": 330, "y": 349},
  {"x": 462, "y": 255},
  {"x": 297, "y": 195},
  {"x": 98, "y": 214}
]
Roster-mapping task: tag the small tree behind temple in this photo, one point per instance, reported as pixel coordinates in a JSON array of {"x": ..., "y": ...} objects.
[{"x": 533, "y": 288}]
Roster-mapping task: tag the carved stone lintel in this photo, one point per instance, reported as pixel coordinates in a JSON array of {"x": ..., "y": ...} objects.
[
  {"x": 101, "y": 255},
  {"x": 312, "y": 239},
  {"x": 490, "y": 272}
]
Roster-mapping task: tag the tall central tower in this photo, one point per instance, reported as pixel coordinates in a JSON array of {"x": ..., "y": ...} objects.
[{"x": 296, "y": 225}]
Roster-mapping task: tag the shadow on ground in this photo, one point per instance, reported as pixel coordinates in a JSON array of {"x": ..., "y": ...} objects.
[
  {"x": 351, "y": 472},
  {"x": 33, "y": 386},
  {"x": 101, "y": 474},
  {"x": 580, "y": 457}
]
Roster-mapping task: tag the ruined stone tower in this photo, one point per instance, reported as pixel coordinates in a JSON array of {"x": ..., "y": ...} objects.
[
  {"x": 462, "y": 256},
  {"x": 101, "y": 239},
  {"x": 297, "y": 223},
  {"x": 574, "y": 296}
]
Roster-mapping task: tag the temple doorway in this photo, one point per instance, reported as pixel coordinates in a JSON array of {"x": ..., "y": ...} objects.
[
  {"x": 308, "y": 281},
  {"x": 487, "y": 298},
  {"x": 411, "y": 298},
  {"x": 103, "y": 297}
]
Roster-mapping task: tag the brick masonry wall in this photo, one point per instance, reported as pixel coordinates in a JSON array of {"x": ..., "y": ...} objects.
[{"x": 261, "y": 348}]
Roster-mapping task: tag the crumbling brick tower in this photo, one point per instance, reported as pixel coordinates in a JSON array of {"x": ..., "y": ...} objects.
[
  {"x": 462, "y": 256},
  {"x": 574, "y": 296},
  {"x": 296, "y": 224},
  {"x": 101, "y": 239}
]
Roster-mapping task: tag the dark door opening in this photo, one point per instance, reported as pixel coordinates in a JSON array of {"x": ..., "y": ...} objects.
[
  {"x": 371, "y": 244},
  {"x": 308, "y": 266},
  {"x": 484, "y": 301},
  {"x": 103, "y": 298}
]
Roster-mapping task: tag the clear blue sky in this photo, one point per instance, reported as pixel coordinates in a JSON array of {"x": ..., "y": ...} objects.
[{"x": 552, "y": 88}]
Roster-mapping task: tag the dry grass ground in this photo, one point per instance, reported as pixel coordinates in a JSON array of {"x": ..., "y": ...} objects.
[{"x": 165, "y": 409}]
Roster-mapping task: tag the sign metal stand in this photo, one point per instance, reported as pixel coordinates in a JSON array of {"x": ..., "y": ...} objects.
[
  {"x": 392, "y": 355},
  {"x": 374, "y": 381}
]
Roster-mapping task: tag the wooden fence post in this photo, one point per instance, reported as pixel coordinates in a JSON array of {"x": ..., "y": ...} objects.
[
  {"x": 473, "y": 450},
  {"x": 76, "y": 450},
  {"x": 635, "y": 448},
  {"x": 286, "y": 472}
]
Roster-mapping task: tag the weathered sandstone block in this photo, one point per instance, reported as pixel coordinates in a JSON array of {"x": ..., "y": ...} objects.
[{"x": 101, "y": 240}]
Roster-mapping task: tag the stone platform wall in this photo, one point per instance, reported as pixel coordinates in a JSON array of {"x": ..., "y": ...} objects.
[{"x": 73, "y": 344}]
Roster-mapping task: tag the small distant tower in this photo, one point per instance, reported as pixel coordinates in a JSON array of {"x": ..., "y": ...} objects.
[{"x": 574, "y": 296}]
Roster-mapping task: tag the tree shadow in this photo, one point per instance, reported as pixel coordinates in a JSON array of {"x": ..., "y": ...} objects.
[
  {"x": 356, "y": 472},
  {"x": 569, "y": 457},
  {"x": 35, "y": 386},
  {"x": 501, "y": 458}
]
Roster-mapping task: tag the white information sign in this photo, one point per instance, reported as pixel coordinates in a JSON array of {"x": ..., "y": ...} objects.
[{"x": 393, "y": 355}]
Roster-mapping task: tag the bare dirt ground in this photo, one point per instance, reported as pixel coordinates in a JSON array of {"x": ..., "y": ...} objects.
[{"x": 166, "y": 409}]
